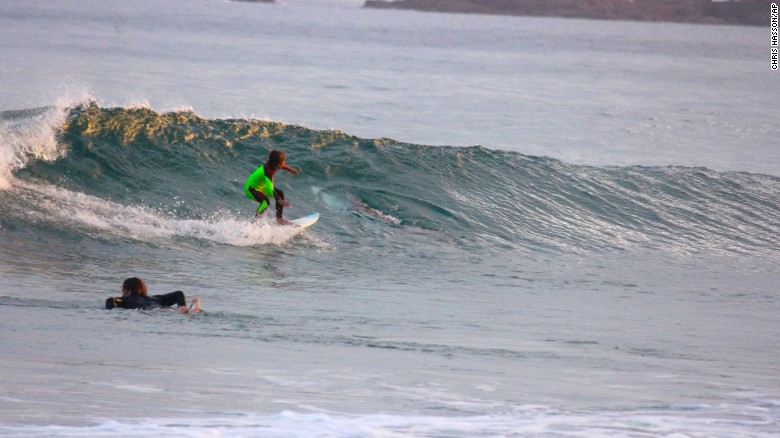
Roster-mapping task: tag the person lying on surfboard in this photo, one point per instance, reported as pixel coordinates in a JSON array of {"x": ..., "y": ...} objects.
[
  {"x": 260, "y": 186},
  {"x": 135, "y": 296}
]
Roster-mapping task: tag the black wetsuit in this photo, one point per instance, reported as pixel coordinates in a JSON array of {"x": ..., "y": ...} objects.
[
  {"x": 146, "y": 303},
  {"x": 261, "y": 198}
]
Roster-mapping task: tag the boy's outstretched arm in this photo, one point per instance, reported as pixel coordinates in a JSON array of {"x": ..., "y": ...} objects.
[{"x": 290, "y": 169}]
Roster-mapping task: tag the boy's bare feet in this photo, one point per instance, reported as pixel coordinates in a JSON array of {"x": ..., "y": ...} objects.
[
  {"x": 283, "y": 222},
  {"x": 195, "y": 305},
  {"x": 193, "y": 308}
]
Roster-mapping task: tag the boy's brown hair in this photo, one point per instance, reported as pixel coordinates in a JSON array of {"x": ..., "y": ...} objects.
[{"x": 134, "y": 286}]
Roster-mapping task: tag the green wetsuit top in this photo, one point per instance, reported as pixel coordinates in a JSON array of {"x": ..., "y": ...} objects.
[{"x": 260, "y": 182}]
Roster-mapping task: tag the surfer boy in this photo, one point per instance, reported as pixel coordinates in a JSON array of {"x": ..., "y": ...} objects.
[
  {"x": 260, "y": 186},
  {"x": 135, "y": 296}
]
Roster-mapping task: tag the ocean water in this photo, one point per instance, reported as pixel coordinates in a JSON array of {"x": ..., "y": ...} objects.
[{"x": 529, "y": 227}]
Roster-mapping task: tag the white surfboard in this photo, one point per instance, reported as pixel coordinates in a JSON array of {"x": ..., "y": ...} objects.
[{"x": 306, "y": 221}]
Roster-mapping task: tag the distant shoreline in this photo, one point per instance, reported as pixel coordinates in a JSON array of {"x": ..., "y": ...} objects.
[{"x": 742, "y": 12}]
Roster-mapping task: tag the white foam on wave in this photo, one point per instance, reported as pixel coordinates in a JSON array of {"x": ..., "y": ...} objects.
[
  {"x": 47, "y": 202},
  {"x": 32, "y": 134},
  {"x": 526, "y": 421}
]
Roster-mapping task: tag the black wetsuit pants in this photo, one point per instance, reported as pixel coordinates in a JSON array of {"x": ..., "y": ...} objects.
[
  {"x": 168, "y": 300},
  {"x": 278, "y": 195}
]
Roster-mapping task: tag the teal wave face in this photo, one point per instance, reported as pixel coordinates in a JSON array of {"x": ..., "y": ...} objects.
[{"x": 191, "y": 167}]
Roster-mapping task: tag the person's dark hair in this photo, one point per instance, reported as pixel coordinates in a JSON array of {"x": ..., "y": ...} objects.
[
  {"x": 134, "y": 286},
  {"x": 276, "y": 159}
]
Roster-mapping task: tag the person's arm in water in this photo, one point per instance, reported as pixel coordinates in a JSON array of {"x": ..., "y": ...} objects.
[
  {"x": 113, "y": 302},
  {"x": 129, "y": 302}
]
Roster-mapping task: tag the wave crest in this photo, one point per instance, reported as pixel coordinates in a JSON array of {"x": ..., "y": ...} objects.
[{"x": 180, "y": 162}]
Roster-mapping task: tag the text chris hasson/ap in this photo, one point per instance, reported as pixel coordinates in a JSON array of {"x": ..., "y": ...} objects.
[{"x": 773, "y": 31}]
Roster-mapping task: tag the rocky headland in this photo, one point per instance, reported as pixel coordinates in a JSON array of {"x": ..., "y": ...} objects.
[{"x": 739, "y": 12}]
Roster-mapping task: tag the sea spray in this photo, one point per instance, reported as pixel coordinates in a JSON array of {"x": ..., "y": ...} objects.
[
  {"x": 33, "y": 134},
  {"x": 28, "y": 135}
]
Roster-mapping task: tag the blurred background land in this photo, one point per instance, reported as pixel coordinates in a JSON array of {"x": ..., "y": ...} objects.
[{"x": 739, "y": 12}]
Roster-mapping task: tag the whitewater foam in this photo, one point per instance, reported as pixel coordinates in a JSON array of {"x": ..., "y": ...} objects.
[
  {"x": 31, "y": 134},
  {"x": 530, "y": 420},
  {"x": 46, "y": 202}
]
